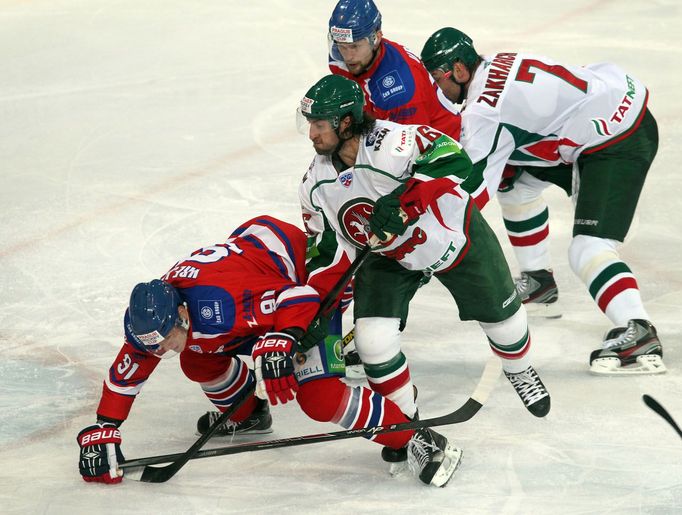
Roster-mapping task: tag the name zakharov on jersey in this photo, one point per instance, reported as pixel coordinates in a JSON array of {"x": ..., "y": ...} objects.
[
  {"x": 526, "y": 109},
  {"x": 337, "y": 207}
]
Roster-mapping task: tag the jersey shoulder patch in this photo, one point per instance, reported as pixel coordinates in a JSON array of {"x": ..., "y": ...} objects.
[
  {"x": 392, "y": 84},
  {"x": 442, "y": 147}
]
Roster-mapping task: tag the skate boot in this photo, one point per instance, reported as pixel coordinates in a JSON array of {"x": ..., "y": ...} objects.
[
  {"x": 354, "y": 367},
  {"x": 397, "y": 458},
  {"x": 531, "y": 390},
  {"x": 634, "y": 349},
  {"x": 431, "y": 457},
  {"x": 259, "y": 422},
  {"x": 539, "y": 293}
]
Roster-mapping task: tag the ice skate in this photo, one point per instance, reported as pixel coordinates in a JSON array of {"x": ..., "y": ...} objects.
[
  {"x": 259, "y": 422},
  {"x": 354, "y": 367},
  {"x": 531, "y": 390},
  {"x": 539, "y": 293},
  {"x": 397, "y": 458},
  {"x": 431, "y": 457},
  {"x": 634, "y": 349}
]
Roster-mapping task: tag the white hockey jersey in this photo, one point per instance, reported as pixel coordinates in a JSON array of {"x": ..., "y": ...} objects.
[
  {"x": 524, "y": 109},
  {"x": 337, "y": 206}
]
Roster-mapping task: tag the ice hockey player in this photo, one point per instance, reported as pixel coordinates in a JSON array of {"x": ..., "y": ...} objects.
[
  {"x": 364, "y": 173},
  {"x": 247, "y": 296},
  {"x": 585, "y": 129},
  {"x": 396, "y": 85}
]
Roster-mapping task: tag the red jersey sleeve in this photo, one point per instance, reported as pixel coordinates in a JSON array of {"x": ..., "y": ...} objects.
[{"x": 125, "y": 379}]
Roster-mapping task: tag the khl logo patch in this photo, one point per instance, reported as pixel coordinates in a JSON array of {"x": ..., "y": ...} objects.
[{"x": 346, "y": 179}]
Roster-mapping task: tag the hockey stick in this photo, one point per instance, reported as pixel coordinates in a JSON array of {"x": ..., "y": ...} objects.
[
  {"x": 329, "y": 301},
  {"x": 162, "y": 474},
  {"x": 654, "y": 405},
  {"x": 465, "y": 412}
]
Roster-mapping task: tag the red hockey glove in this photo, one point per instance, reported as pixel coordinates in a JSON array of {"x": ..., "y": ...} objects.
[
  {"x": 509, "y": 176},
  {"x": 274, "y": 367},
  {"x": 100, "y": 453}
]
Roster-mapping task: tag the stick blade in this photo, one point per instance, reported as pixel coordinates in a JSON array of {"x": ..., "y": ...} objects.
[{"x": 654, "y": 405}]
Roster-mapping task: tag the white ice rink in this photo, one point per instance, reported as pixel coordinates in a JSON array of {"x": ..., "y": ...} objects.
[{"x": 132, "y": 132}]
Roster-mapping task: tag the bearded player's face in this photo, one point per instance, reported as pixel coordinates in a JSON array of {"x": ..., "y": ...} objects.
[{"x": 323, "y": 136}]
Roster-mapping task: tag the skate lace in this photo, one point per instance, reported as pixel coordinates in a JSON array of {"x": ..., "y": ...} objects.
[
  {"x": 420, "y": 453},
  {"x": 228, "y": 425},
  {"x": 627, "y": 337},
  {"x": 527, "y": 386},
  {"x": 523, "y": 284}
]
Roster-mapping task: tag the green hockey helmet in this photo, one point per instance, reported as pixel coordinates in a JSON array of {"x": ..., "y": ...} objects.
[
  {"x": 445, "y": 46},
  {"x": 332, "y": 98}
]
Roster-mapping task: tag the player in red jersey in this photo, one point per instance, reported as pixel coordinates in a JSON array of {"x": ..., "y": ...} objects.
[
  {"x": 396, "y": 85},
  {"x": 248, "y": 296}
]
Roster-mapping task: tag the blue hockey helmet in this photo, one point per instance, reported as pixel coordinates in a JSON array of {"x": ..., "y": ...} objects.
[
  {"x": 352, "y": 20},
  {"x": 153, "y": 312}
]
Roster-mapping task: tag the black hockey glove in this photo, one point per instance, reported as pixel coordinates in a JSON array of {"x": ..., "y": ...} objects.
[
  {"x": 317, "y": 332},
  {"x": 100, "y": 453}
]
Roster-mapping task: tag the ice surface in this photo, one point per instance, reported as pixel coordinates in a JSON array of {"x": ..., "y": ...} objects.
[{"x": 134, "y": 132}]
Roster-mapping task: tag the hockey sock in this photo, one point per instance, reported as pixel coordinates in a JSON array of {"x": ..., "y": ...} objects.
[
  {"x": 330, "y": 400},
  {"x": 227, "y": 387},
  {"x": 510, "y": 340},
  {"x": 528, "y": 231},
  {"x": 609, "y": 280},
  {"x": 377, "y": 341}
]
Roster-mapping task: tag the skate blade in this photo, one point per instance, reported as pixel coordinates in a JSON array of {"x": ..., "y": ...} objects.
[
  {"x": 646, "y": 364},
  {"x": 542, "y": 310},
  {"x": 244, "y": 434},
  {"x": 453, "y": 457},
  {"x": 355, "y": 372},
  {"x": 398, "y": 468}
]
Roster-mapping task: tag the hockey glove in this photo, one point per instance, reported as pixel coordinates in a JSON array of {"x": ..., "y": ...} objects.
[
  {"x": 386, "y": 217},
  {"x": 509, "y": 175},
  {"x": 274, "y": 367},
  {"x": 317, "y": 332},
  {"x": 100, "y": 453}
]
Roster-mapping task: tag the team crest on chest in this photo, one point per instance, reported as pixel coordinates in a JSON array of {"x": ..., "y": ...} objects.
[
  {"x": 354, "y": 218},
  {"x": 346, "y": 179}
]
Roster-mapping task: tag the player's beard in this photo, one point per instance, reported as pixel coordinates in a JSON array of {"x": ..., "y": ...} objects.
[{"x": 328, "y": 149}]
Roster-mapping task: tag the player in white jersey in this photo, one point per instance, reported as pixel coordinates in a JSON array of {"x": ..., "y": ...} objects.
[
  {"x": 403, "y": 185},
  {"x": 586, "y": 129}
]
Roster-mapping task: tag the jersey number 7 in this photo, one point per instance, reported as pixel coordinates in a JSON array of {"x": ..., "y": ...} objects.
[{"x": 525, "y": 75}]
